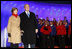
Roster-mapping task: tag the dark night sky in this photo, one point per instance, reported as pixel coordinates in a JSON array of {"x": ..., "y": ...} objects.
[{"x": 56, "y": 2}]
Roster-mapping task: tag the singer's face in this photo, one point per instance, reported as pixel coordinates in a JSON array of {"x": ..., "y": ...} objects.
[
  {"x": 51, "y": 23},
  {"x": 46, "y": 23},
  {"x": 60, "y": 23},
  {"x": 26, "y": 7}
]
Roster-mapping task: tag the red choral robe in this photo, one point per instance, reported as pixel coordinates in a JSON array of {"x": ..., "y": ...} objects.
[
  {"x": 69, "y": 30},
  {"x": 61, "y": 30},
  {"x": 46, "y": 32}
]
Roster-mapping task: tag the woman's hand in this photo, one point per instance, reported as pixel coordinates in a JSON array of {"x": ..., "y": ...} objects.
[{"x": 9, "y": 35}]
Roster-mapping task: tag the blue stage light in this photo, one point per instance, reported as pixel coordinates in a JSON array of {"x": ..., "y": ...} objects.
[
  {"x": 43, "y": 8},
  {"x": 36, "y": 8},
  {"x": 11, "y": 3},
  {"x": 32, "y": 6}
]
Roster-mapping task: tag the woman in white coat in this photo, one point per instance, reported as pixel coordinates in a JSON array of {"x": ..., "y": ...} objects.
[{"x": 13, "y": 28}]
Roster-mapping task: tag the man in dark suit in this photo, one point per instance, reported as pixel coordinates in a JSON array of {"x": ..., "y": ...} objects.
[{"x": 29, "y": 26}]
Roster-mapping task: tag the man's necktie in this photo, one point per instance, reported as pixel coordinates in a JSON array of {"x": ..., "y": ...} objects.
[{"x": 28, "y": 14}]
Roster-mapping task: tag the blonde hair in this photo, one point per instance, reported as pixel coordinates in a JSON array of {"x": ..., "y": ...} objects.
[{"x": 25, "y": 5}]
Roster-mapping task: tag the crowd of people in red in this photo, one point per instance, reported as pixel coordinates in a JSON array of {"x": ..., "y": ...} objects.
[{"x": 52, "y": 32}]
